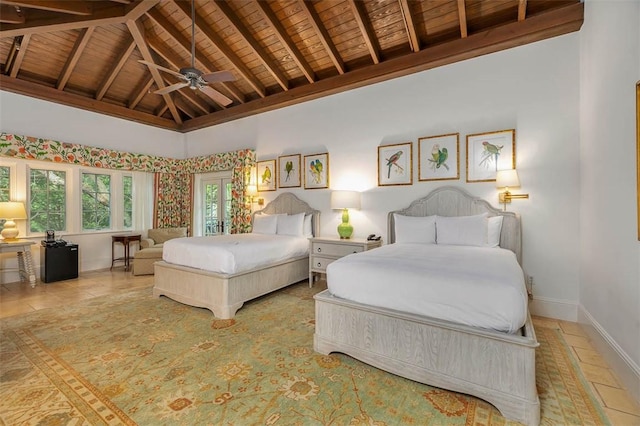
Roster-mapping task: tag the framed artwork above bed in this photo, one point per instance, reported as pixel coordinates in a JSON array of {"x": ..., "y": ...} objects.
[
  {"x": 316, "y": 171},
  {"x": 439, "y": 157},
  {"x": 289, "y": 171},
  {"x": 267, "y": 175},
  {"x": 395, "y": 164},
  {"x": 489, "y": 152}
]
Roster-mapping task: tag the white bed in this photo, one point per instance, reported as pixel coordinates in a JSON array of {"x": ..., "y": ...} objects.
[
  {"x": 224, "y": 290},
  {"x": 472, "y": 358}
]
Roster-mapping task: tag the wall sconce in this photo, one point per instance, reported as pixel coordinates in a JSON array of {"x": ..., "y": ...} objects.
[
  {"x": 252, "y": 192},
  {"x": 345, "y": 200},
  {"x": 508, "y": 179},
  {"x": 11, "y": 210}
]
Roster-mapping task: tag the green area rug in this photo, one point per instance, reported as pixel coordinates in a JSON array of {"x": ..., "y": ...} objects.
[{"x": 133, "y": 359}]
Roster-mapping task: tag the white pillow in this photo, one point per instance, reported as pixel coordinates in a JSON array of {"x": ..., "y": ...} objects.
[
  {"x": 290, "y": 224},
  {"x": 494, "y": 227},
  {"x": 306, "y": 227},
  {"x": 415, "y": 229},
  {"x": 264, "y": 224},
  {"x": 462, "y": 230}
]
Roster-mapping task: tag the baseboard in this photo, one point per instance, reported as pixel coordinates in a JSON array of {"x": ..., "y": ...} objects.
[
  {"x": 554, "y": 308},
  {"x": 625, "y": 368}
]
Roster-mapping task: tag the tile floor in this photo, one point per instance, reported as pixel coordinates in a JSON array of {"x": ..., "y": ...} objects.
[{"x": 19, "y": 298}]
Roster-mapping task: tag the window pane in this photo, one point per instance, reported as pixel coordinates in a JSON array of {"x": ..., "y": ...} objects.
[
  {"x": 5, "y": 183},
  {"x": 127, "y": 194},
  {"x": 47, "y": 200},
  {"x": 96, "y": 201}
]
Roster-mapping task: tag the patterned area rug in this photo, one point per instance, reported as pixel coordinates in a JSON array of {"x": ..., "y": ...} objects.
[{"x": 133, "y": 359}]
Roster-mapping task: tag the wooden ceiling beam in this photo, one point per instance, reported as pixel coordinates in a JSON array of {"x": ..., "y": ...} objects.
[
  {"x": 238, "y": 26},
  {"x": 124, "y": 55},
  {"x": 139, "y": 92},
  {"x": 21, "y": 47},
  {"x": 182, "y": 105},
  {"x": 370, "y": 39},
  {"x": 83, "y": 8},
  {"x": 11, "y": 55},
  {"x": 74, "y": 57},
  {"x": 410, "y": 26},
  {"x": 522, "y": 10},
  {"x": 113, "y": 15},
  {"x": 9, "y": 15},
  {"x": 222, "y": 47},
  {"x": 323, "y": 35},
  {"x": 285, "y": 40},
  {"x": 137, "y": 31},
  {"x": 462, "y": 17},
  {"x": 53, "y": 95},
  {"x": 201, "y": 60},
  {"x": 542, "y": 26}
]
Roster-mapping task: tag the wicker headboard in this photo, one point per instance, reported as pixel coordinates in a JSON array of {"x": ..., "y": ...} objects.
[
  {"x": 290, "y": 204},
  {"x": 453, "y": 201}
]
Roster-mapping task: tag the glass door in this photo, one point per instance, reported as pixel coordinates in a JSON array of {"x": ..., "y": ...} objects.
[{"x": 216, "y": 206}]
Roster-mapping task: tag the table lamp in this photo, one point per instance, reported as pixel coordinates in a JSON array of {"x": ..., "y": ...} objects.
[
  {"x": 11, "y": 210},
  {"x": 345, "y": 200}
]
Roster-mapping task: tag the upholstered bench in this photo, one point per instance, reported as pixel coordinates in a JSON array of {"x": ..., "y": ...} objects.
[{"x": 144, "y": 259}]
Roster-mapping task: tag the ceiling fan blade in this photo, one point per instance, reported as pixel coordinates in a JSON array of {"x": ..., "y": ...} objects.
[
  {"x": 161, "y": 68},
  {"x": 213, "y": 77},
  {"x": 171, "y": 88},
  {"x": 215, "y": 95}
]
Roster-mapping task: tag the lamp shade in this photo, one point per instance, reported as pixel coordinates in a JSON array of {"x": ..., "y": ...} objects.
[
  {"x": 507, "y": 178},
  {"x": 12, "y": 210},
  {"x": 252, "y": 190},
  {"x": 345, "y": 200}
]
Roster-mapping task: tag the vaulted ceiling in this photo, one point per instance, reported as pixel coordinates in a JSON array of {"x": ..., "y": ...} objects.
[{"x": 87, "y": 53}]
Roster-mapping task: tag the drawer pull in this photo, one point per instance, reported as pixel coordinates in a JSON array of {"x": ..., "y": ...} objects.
[
  {"x": 355, "y": 251},
  {"x": 319, "y": 264},
  {"x": 319, "y": 250}
]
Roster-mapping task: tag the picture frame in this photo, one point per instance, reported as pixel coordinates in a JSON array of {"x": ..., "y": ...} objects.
[
  {"x": 489, "y": 152},
  {"x": 266, "y": 175},
  {"x": 439, "y": 157},
  {"x": 289, "y": 171},
  {"x": 395, "y": 164},
  {"x": 316, "y": 171}
]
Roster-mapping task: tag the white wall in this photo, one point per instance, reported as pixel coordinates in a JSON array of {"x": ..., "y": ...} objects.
[
  {"x": 27, "y": 116},
  {"x": 609, "y": 249},
  {"x": 526, "y": 88}
]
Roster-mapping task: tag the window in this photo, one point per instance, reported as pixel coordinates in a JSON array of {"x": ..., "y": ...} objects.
[
  {"x": 127, "y": 202},
  {"x": 5, "y": 183},
  {"x": 96, "y": 201},
  {"x": 47, "y": 200}
]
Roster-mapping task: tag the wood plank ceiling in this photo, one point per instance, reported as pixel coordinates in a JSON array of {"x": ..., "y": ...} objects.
[{"x": 86, "y": 53}]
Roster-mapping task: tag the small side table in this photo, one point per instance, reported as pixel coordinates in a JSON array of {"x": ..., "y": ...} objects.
[
  {"x": 25, "y": 261},
  {"x": 124, "y": 240},
  {"x": 325, "y": 250}
]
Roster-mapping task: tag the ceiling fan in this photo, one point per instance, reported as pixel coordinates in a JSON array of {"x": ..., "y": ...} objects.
[{"x": 193, "y": 77}]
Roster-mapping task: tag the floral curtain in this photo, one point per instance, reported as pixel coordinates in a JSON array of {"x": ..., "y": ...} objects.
[{"x": 173, "y": 180}]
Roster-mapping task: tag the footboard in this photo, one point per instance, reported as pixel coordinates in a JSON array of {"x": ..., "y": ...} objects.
[{"x": 496, "y": 367}]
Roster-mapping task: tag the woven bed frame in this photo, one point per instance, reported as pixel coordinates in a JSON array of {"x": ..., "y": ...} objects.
[
  {"x": 224, "y": 294},
  {"x": 494, "y": 366}
]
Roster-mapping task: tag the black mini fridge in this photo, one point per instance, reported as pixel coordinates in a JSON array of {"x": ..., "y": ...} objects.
[{"x": 58, "y": 263}]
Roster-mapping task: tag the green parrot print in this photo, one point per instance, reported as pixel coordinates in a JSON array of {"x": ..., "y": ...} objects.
[
  {"x": 439, "y": 157},
  {"x": 490, "y": 154},
  {"x": 288, "y": 167}
]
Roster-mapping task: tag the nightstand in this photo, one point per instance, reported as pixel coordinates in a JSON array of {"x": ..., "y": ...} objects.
[{"x": 327, "y": 249}]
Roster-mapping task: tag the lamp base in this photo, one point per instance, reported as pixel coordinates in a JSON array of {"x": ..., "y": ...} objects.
[
  {"x": 345, "y": 230},
  {"x": 10, "y": 230}
]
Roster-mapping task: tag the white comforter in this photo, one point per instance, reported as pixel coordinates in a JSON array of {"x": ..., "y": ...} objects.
[
  {"x": 476, "y": 286},
  {"x": 229, "y": 254}
]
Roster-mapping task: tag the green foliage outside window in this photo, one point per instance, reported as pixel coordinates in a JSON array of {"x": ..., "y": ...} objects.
[
  {"x": 47, "y": 200},
  {"x": 96, "y": 201},
  {"x": 5, "y": 184},
  {"x": 127, "y": 191}
]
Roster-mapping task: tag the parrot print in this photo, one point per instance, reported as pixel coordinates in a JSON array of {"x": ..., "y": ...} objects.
[
  {"x": 490, "y": 154},
  {"x": 266, "y": 175},
  {"x": 393, "y": 161},
  {"x": 439, "y": 157},
  {"x": 316, "y": 168},
  {"x": 288, "y": 167}
]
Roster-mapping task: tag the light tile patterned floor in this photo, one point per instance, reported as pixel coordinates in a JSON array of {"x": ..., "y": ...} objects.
[{"x": 18, "y": 298}]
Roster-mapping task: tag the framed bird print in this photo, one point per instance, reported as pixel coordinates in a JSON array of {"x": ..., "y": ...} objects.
[
  {"x": 316, "y": 171},
  {"x": 267, "y": 175},
  {"x": 439, "y": 157},
  {"x": 289, "y": 171},
  {"x": 489, "y": 152},
  {"x": 395, "y": 164}
]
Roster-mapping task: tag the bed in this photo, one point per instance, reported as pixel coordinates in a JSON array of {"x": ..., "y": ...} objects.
[
  {"x": 225, "y": 293},
  {"x": 497, "y": 366}
]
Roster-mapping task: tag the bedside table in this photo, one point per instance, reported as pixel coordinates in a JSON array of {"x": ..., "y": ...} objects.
[{"x": 325, "y": 250}]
